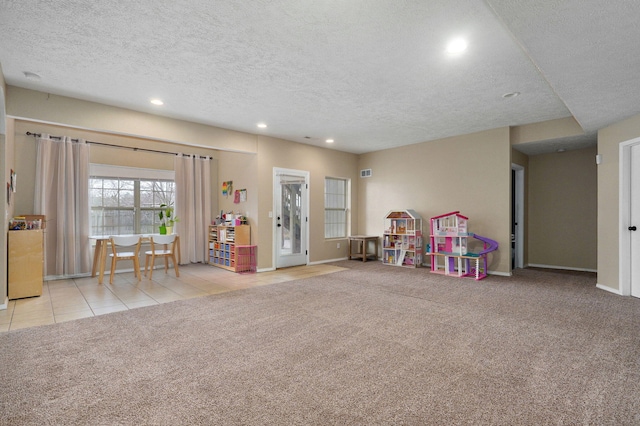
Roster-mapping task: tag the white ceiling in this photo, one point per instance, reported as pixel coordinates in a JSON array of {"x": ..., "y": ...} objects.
[{"x": 370, "y": 74}]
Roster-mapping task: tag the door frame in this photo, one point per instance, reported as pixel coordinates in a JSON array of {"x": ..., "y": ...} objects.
[
  {"x": 274, "y": 228},
  {"x": 519, "y": 202},
  {"x": 4, "y": 298},
  {"x": 624, "y": 216}
]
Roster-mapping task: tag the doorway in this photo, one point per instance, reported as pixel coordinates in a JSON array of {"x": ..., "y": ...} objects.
[
  {"x": 291, "y": 203},
  {"x": 629, "y": 218},
  {"x": 517, "y": 216},
  {"x": 4, "y": 301}
]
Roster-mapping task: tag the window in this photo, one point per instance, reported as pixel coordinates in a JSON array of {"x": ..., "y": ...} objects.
[
  {"x": 335, "y": 207},
  {"x": 125, "y": 200}
]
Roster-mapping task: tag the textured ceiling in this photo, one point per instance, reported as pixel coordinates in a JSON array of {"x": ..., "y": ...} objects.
[{"x": 371, "y": 75}]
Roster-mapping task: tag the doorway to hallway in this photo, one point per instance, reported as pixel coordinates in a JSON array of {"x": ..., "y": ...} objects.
[{"x": 517, "y": 216}]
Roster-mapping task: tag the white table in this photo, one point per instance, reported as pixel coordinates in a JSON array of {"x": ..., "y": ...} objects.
[{"x": 100, "y": 253}]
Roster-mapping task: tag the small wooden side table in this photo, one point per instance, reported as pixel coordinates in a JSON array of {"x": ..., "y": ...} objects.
[{"x": 362, "y": 242}]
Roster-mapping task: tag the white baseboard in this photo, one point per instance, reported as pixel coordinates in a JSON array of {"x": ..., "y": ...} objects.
[
  {"x": 5, "y": 305},
  {"x": 500, "y": 274},
  {"x": 609, "y": 289},
  {"x": 65, "y": 277},
  {"x": 565, "y": 268},
  {"x": 320, "y": 262}
]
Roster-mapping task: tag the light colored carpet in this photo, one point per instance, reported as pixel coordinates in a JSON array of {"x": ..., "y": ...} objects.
[{"x": 370, "y": 345}]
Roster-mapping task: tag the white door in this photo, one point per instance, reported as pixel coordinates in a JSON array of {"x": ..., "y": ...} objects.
[
  {"x": 290, "y": 199},
  {"x": 634, "y": 220}
]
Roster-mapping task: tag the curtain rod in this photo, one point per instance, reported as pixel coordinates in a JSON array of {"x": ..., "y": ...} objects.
[{"x": 37, "y": 135}]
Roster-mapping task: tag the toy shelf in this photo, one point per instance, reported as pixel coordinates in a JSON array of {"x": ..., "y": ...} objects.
[{"x": 226, "y": 245}]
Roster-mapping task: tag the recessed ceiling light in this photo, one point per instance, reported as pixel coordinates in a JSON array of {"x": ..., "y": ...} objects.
[
  {"x": 329, "y": 140},
  {"x": 511, "y": 95},
  {"x": 262, "y": 125},
  {"x": 31, "y": 76},
  {"x": 157, "y": 102},
  {"x": 457, "y": 45}
]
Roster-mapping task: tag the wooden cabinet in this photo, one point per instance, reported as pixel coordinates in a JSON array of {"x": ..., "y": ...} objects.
[
  {"x": 223, "y": 242},
  {"x": 402, "y": 239},
  {"x": 25, "y": 263}
]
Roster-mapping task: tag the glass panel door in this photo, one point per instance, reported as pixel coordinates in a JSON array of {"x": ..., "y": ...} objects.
[{"x": 291, "y": 218}]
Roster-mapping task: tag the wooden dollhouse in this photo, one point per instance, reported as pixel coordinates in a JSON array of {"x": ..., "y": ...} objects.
[{"x": 402, "y": 239}]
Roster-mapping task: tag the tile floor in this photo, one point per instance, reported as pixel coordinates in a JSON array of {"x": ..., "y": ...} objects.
[{"x": 70, "y": 299}]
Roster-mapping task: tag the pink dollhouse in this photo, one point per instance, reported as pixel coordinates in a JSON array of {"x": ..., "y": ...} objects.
[{"x": 449, "y": 248}]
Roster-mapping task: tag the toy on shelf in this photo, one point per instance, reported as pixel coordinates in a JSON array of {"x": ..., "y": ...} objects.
[
  {"x": 449, "y": 243},
  {"x": 402, "y": 240}
]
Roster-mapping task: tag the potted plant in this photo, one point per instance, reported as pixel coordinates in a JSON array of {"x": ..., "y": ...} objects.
[{"x": 167, "y": 219}]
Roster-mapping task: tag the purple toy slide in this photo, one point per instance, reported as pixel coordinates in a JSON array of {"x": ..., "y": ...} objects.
[{"x": 489, "y": 244}]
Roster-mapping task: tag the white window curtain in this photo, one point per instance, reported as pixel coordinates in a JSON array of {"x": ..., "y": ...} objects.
[
  {"x": 193, "y": 206},
  {"x": 62, "y": 195}
]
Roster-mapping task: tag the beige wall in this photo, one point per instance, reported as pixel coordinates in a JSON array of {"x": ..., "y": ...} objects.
[
  {"x": 519, "y": 158},
  {"x": 469, "y": 173},
  {"x": 3, "y": 91},
  {"x": 242, "y": 170},
  {"x": 563, "y": 209},
  {"x": 609, "y": 140},
  {"x": 320, "y": 163},
  {"x": 10, "y": 164},
  {"x": 545, "y": 130},
  {"x": 29, "y": 104}
]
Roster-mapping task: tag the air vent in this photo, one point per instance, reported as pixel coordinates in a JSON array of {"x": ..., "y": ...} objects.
[{"x": 365, "y": 173}]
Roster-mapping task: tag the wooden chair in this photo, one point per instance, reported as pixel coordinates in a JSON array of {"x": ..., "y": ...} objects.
[
  {"x": 169, "y": 252},
  {"x": 119, "y": 241}
]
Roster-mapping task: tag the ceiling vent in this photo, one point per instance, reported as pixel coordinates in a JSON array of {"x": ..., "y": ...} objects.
[{"x": 365, "y": 173}]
